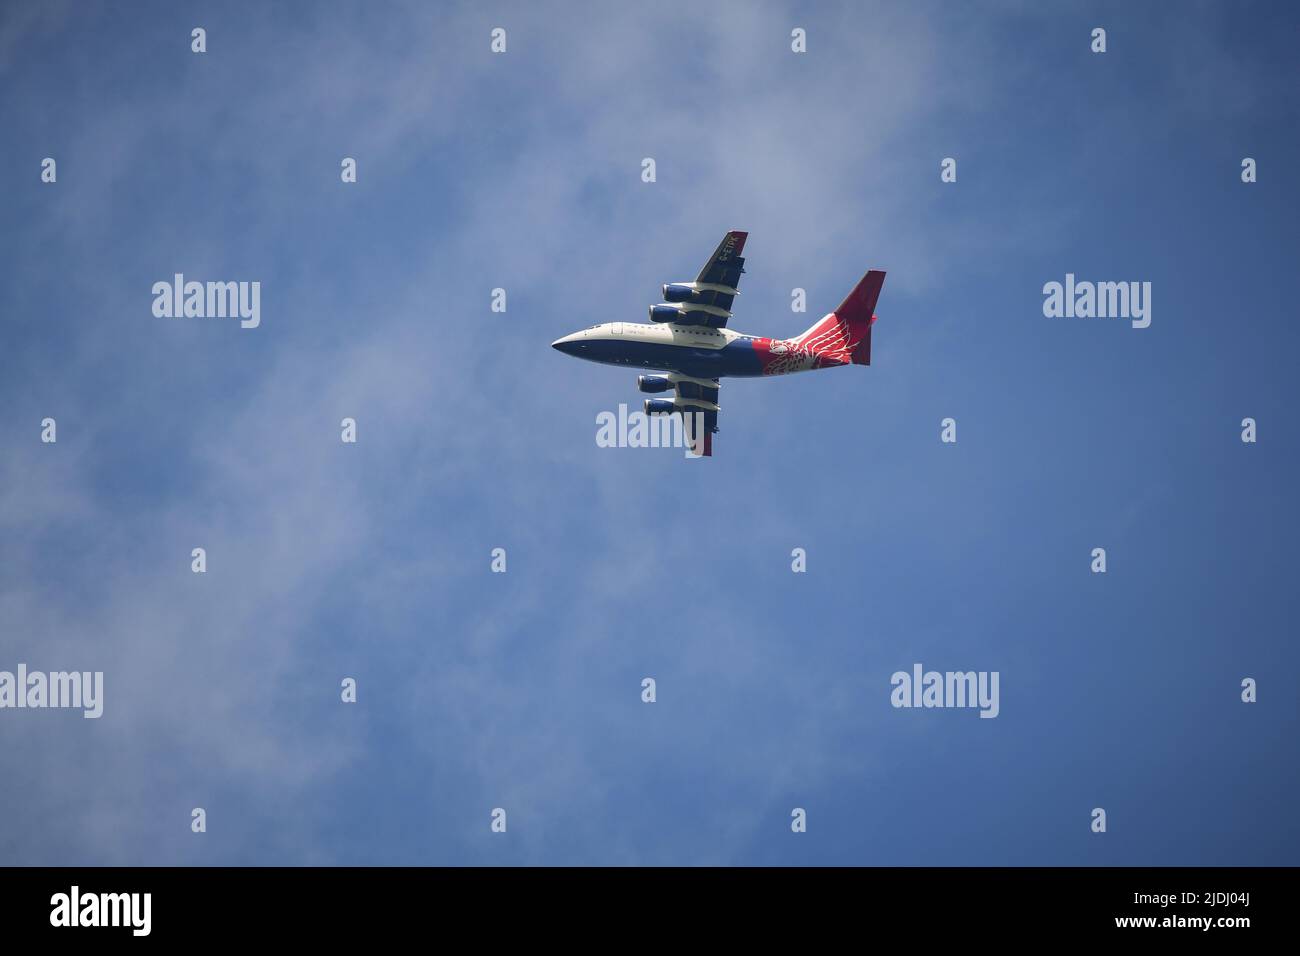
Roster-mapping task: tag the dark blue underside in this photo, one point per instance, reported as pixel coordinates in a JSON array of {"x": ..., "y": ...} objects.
[{"x": 736, "y": 359}]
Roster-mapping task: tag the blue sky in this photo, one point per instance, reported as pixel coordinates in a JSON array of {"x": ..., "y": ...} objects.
[{"x": 522, "y": 691}]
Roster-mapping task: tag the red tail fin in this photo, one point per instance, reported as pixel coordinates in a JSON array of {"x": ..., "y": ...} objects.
[
  {"x": 857, "y": 311},
  {"x": 845, "y": 335}
]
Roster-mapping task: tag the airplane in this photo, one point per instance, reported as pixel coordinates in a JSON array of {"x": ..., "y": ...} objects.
[{"x": 690, "y": 343}]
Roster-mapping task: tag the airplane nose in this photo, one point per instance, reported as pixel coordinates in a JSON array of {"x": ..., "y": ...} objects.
[{"x": 567, "y": 345}]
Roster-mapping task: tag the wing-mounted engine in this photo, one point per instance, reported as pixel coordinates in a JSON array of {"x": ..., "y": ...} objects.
[
  {"x": 707, "y": 301},
  {"x": 690, "y": 313},
  {"x": 696, "y": 401},
  {"x": 653, "y": 383},
  {"x": 701, "y": 293}
]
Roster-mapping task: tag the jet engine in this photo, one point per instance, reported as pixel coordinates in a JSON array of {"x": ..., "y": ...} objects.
[
  {"x": 690, "y": 293},
  {"x": 653, "y": 383},
  {"x": 687, "y": 313},
  {"x": 665, "y": 313},
  {"x": 659, "y": 406}
]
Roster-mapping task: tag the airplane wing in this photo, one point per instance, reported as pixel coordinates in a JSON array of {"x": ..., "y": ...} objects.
[
  {"x": 707, "y": 300},
  {"x": 698, "y": 403},
  {"x": 727, "y": 262}
]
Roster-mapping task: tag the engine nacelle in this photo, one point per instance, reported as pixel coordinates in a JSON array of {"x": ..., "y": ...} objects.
[
  {"x": 653, "y": 383},
  {"x": 674, "y": 292},
  {"x": 659, "y": 406},
  {"x": 665, "y": 313}
]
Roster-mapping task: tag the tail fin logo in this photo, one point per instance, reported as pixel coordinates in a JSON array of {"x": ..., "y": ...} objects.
[
  {"x": 831, "y": 340},
  {"x": 841, "y": 338}
]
